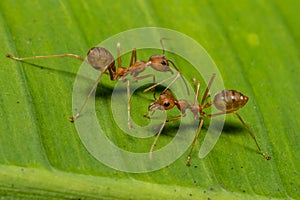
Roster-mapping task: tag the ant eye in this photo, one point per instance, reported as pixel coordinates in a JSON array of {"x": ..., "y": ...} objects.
[
  {"x": 163, "y": 62},
  {"x": 166, "y": 104}
]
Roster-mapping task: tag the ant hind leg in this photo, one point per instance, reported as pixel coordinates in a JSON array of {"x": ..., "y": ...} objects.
[{"x": 266, "y": 156}]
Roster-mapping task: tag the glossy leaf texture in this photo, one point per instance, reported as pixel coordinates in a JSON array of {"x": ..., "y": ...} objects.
[{"x": 255, "y": 45}]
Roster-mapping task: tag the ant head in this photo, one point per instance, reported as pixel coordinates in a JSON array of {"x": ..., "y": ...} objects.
[
  {"x": 159, "y": 63},
  {"x": 99, "y": 58},
  {"x": 166, "y": 101}
]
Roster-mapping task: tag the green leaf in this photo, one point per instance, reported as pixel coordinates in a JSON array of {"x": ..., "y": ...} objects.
[{"x": 255, "y": 45}]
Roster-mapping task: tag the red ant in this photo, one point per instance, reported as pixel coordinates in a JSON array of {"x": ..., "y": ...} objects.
[
  {"x": 227, "y": 101},
  {"x": 101, "y": 59}
]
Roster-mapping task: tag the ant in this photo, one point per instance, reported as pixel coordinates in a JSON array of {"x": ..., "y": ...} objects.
[
  {"x": 227, "y": 101},
  {"x": 101, "y": 59}
]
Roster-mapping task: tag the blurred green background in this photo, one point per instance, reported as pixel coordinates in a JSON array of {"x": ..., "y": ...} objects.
[{"x": 255, "y": 45}]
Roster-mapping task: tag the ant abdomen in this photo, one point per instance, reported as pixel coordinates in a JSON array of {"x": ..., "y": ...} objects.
[
  {"x": 99, "y": 58},
  {"x": 229, "y": 100}
]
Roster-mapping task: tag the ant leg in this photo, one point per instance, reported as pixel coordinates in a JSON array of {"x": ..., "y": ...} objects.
[
  {"x": 172, "y": 82},
  {"x": 72, "y": 119},
  {"x": 149, "y": 116},
  {"x": 128, "y": 83},
  {"x": 212, "y": 115},
  {"x": 208, "y": 104},
  {"x": 206, "y": 93},
  {"x": 163, "y": 51},
  {"x": 175, "y": 118},
  {"x": 168, "y": 120},
  {"x": 111, "y": 70},
  {"x": 133, "y": 57},
  {"x": 197, "y": 91},
  {"x": 146, "y": 116},
  {"x": 266, "y": 156},
  {"x": 155, "y": 85},
  {"x": 128, "y": 104},
  {"x": 188, "y": 161},
  {"x": 161, "y": 128},
  {"x": 146, "y": 76},
  {"x": 119, "y": 54},
  {"x": 157, "y": 136},
  {"x": 50, "y": 56}
]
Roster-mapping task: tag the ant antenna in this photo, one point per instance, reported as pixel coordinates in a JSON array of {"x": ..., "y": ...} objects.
[
  {"x": 155, "y": 85},
  {"x": 175, "y": 78},
  {"x": 162, "y": 45},
  {"x": 186, "y": 86}
]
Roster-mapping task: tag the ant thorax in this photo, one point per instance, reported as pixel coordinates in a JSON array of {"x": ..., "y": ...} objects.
[{"x": 137, "y": 68}]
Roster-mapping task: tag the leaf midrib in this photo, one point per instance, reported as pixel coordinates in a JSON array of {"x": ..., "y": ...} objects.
[{"x": 34, "y": 182}]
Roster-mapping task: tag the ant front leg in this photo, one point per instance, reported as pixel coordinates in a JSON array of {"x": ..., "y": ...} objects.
[
  {"x": 160, "y": 130},
  {"x": 156, "y": 138},
  {"x": 168, "y": 86},
  {"x": 147, "y": 76},
  {"x": 172, "y": 82},
  {"x": 188, "y": 161},
  {"x": 175, "y": 118},
  {"x": 157, "y": 84}
]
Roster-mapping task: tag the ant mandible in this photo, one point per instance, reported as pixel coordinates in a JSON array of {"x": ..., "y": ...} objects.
[
  {"x": 227, "y": 101},
  {"x": 101, "y": 59}
]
